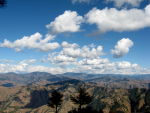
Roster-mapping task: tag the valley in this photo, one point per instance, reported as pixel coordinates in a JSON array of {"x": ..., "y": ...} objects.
[{"x": 29, "y": 93}]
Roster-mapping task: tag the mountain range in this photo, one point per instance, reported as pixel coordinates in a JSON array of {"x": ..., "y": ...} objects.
[{"x": 113, "y": 80}]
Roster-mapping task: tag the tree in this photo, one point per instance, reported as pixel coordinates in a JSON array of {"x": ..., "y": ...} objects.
[
  {"x": 146, "y": 108},
  {"x": 135, "y": 95},
  {"x": 2, "y": 3},
  {"x": 55, "y": 100},
  {"x": 83, "y": 98}
]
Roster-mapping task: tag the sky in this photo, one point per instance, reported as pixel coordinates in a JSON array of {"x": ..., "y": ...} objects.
[{"x": 81, "y": 36}]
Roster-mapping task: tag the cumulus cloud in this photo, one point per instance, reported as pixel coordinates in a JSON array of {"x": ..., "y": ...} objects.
[
  {"x": 122, "y": 47},
  {"x": 34, "y": 41},
  {"x": 119, "y": 20},
  {"x": 84, "y": 52},
  {"x": 16, "y": 67},
  {"x": 61, "y": 59},
  {"x": 87, "y": 51},
  {"x": 68, "y": 45},
  {"x": 82, "y": 65},
  {"x": 104, "y": 66},
  {"x": 88, "y": 59},
  {"x": 40, "y": 68},
  {"x": 120, "y": 3},
  {"x": 69, "y": 21},
  {"x": 27, "y": 66},
  {"x": 95, "y": 61},
  {"x": 70, "y": 54}
]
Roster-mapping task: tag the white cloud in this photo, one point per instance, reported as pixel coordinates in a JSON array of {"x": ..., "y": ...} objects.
[
  {"x": 27, "y": 66},
  {"x": 120, "y": 3},
  {"x": 61, "y": 59},
  {"x": 122, "y": 47},
  {"x": 92, "y": 52},
  {"x": 4, "y": 68},
  {"x": 84, "y": 65},
  {"x": 87, "y": 59},
  {"x": 68, "y": 45},
  {"x": 104, "y": 66},
  {"x": 126, "y": 65},
  {"x": 16, "y": 67},
  {"x": 81, "y": 1},
  {"x": 6, "y": 61},
  {"x": 72, "y": 53},
  {"x": 85, "y": 52},
  {"x": 74, "y": 50},
  {"x": 39, "y": 68},
  {"x": 69, "y": 21},
  {"x": 27, "y": 62},
  {"x": 119, "y": 20},
  {"x": 95, "y": 61},
  {"x": 117, "y": 3},
  {"x": 34, "y": 41}
]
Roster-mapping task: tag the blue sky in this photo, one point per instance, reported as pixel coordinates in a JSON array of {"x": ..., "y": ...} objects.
[{"x": 93, "y": 36}]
